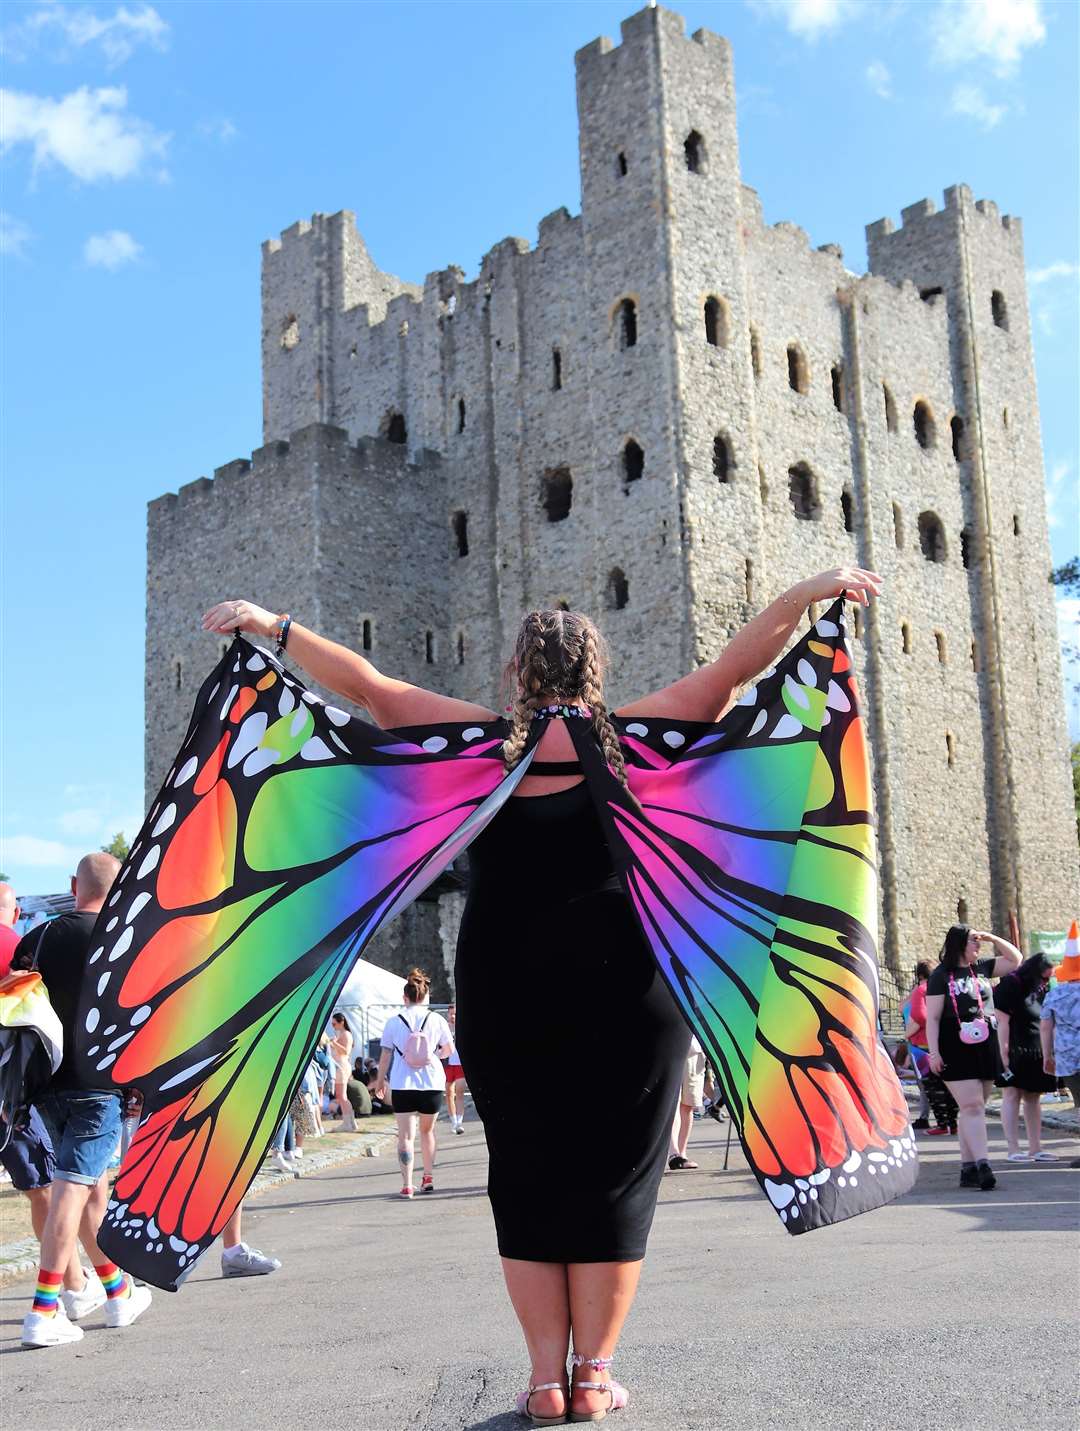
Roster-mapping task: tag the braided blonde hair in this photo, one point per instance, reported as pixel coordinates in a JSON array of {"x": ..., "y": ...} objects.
[{"x": 559, "y": 656}]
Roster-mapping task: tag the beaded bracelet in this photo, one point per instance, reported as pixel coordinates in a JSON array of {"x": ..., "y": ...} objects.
[{"x": 282, "y": 637}]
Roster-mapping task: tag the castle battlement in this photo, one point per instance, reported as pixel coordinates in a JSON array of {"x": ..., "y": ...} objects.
[{"x": 924, "y": 216}]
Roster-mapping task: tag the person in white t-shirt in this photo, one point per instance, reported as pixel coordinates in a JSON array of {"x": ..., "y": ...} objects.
[{"x": 413, "y": 1042}]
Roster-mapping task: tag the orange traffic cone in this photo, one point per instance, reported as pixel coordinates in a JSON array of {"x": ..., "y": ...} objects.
[{"x": 1069, "y": 968}]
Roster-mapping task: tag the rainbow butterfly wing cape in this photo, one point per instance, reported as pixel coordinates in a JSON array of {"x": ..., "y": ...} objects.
[{"x": 288, "y": 832}]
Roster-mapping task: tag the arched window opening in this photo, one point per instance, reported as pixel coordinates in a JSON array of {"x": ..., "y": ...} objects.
[
  {"x": 633, "y": 462},
  {"x": 461, "y": 414},
  {"x": 365, "y": 634},
  {"x": 999, "y": 309},
  {"x": 290, "y": 333},
  {"x": 923, "y": 421},
  {"x": 957, "y": 428},
  {"x": 847, "y": 508},
  {"x": 556, "y": 369},
  {"x": 748, "y": 579},
  {"x": 932, "y": 536},
  {"x": 905, "y": 637},
  {"x": 950, "y": 749},
  {"x": 460, "y": 522},
  {"x": 628, "y": 323},
  {"x": 763, "y": 485},
  {"x": 429, "y": 647},
  {"x": 961, "y": 910},
  {"x": 802, "y": 489},
  {"x": 461, "y": 648},
  {"x": 797, "y": 374},
  {"x": 942, "y": 652},
  {"x": 179, "y": 675},
  {"x": 557, "y": 489},
  {"x": 890, "y": 408},
  {"x": 621, "y": 165},
  {"x": 716, "y": 322},
  {"x": 965, "y": 547},
  {"x": 1016, "y": 524},
  {"x": 694, "y": 150},
  {"x": 837, "y": 376},
  {"x": 394, "y": 428},
  {"x": 723, "y": 461},
  {"x": 755, "y": 352},
  {"x": 898, "y": 526},
  {"x": 618, "y": 589}
]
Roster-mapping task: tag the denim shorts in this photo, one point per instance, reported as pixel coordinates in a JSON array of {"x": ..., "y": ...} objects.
[
  {"x": 28, "y": 1158},
  {"x": 85, "y": 1131}
]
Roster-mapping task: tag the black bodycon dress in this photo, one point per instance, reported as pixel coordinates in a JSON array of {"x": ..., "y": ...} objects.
[{"x": 572, "y": 1047}]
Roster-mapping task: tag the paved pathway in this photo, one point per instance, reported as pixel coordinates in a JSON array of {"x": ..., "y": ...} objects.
[{"x": 950, "y": 1309}]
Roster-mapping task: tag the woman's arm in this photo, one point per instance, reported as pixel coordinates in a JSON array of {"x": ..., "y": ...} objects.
[
  {"x": 704, "y": 693},
  {"x": 935, "y": 1003},
  {"x": 1046, "y": 1039},
  {"x": 1003, "y": 1034},
  {"x": 1008, "y": 957},
  {"x": 384, "y": 1071},
  {"x": 391, "y": 702}
]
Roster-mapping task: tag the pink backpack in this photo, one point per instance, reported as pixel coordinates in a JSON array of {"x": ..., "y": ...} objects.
[{"x": 417, "y": 1052}]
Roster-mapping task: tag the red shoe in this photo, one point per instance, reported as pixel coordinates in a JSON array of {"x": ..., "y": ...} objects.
[
  {"x": 427, "y": 1185},
  {"x": 939, "y": 1132}
]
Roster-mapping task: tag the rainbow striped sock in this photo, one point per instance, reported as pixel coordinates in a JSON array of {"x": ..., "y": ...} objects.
[
  {"x": 48, "y": 1292},
  {"x": 113, "y": 1280}
]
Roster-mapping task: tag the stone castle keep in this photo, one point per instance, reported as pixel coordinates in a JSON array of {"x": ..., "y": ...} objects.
[{"x": 664, "y": 414}]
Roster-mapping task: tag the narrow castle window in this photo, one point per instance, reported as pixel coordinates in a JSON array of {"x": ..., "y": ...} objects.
[
  {"x": 923, "y": 421},
  {"x": 694, "y": 150},
  {"x": 394, "y": 428},
  {"x": 365, "y": 634},
  {"x": 926, "y": 294},
  {"x": 763, "y": 484},
  {"x": 429, "y": 647},
  {"x": 847, "y": 507},
  {"x": 461, "y": 414},
  {"x": 974, "y": 656},
  {"x": 950, "y": 749},
  {"x": 633, "y": 462},
  {"x": 1016, "y": 524},
  {"x": 999, "y": 309},
  {"x": 628, "y": 323},
  {"x": 618, "y": 589},
  {"x": 797, "y": 375},
  {"x": 898, "y": 526},
  {"x": 556, "y": 369},
  {"x": 965, "y": 547},
  {"x": 460, "y": 523},
  {"x": 461, "y": 648},
  {"x": 957, "y": 428},
  {"x": 290, "y": 333},
  {"x": 837, "y": 376},
  {"x": 557, "y": 488},
  {"x": 905, "y": 637},
  {"x": 962, "y": 910},
  {"x": 755, "y": 352},
  {"x": 890, "y": 408},
  {"x": 723, "y": 461},
  {"x": 179, "y": 675},
  {"x": 1004, "y": 417},
  {"x": 931, "y": 536},
  {"x": 621, "y": 165},
  {"x": 748, "y": 579},
  {"x": 802, "y": 489},
  {"x": 858, "y": 623},
  {"x": 716, "y": 326},
  {"x": 942, "y": 653}
]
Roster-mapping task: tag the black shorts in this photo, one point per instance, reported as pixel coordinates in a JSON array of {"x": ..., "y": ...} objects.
[
  {"x": 422, "y": 1100},
  {"x": 28, "y": 1158}
]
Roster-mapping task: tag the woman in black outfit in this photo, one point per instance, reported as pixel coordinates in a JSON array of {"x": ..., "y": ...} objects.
[
  {"x": 552, "y": 966},
  {"x": 1018, "y": 1003},
  {"x": 960, "y": 1036}
]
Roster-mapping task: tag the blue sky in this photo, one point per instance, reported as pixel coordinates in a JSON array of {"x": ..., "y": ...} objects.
[{"x": 147, "y": 151}]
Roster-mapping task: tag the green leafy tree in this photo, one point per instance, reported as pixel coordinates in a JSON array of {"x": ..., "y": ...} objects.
[
  {"x": 1066, "y": 578},
  {"x": 1076, "y": 784},
  {"x": 117, "y": 846}
]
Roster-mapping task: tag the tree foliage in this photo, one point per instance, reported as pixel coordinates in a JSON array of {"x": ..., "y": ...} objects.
[{"x": 117, "y": 846}]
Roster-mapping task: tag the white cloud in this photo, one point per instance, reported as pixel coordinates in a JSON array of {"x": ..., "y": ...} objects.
[
  {"x": 968, "y": 100},
  {"x": 1061, "y": 493},
  {"x": 117, "y": 36},
  {"x": 111, "y": 250},
  {"x": 995, "y": 30},
  {"x": 32, "y": 850},
  {"x": 879, "y": 79},
  {"x": 1060, "y": 269},
  {"x": 80, "y": 823},
  {"x": 87, "y": 133},
  {"x": 14, "y": 235},
  {"x": 223, "y": 129},
  {"x": 808, "y": 19}
]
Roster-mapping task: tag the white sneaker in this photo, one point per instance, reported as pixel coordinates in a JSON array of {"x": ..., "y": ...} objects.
[
  {"x": 81, "y": 1304},
  {"x": 52, "y": 1331},
  {"x": 281, "y": 1162},
  {"x": 247, "y": 1262},
  {"x": 122, "y": 1311}
]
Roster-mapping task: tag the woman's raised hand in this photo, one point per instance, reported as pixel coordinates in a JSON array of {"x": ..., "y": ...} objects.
[
  {"x": 860, "y": 585},
  {"x": 229, "y": 616}
]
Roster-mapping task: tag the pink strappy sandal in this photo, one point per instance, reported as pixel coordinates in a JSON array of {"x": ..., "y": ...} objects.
[
  {"x": 525, "y": 1397},
  {"x": 619, "y": 1394}
]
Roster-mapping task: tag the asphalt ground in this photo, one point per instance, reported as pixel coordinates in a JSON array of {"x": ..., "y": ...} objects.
[{"x": 949, "y": 1309}]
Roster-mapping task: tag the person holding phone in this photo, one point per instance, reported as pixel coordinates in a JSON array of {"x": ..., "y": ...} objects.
[{"x": 961, "y": 1037}]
